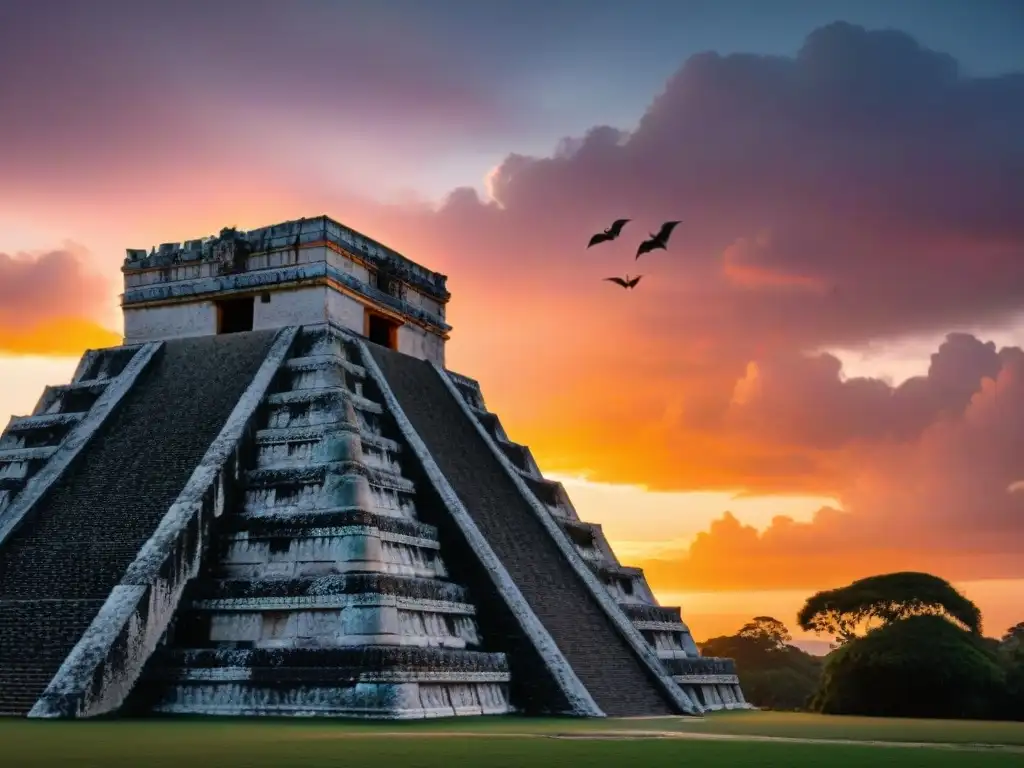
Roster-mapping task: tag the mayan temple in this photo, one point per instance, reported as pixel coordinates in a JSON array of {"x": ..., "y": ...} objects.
[{"x": 274, "y": 499}]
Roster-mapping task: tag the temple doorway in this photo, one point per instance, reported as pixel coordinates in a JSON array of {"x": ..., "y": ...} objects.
[
  {"x": 381, "y": 330},
  {"x": 235, "y": 315}
]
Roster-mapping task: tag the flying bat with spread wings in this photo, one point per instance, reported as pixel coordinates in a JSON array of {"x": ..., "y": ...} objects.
[
  {"x": 628, "y": 283},
  {"x": 658, "y": 241},
  {"x": 609, "y": 234}
]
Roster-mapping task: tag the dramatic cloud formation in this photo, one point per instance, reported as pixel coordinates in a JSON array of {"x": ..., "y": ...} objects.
[
  {"x": 804, "y": 400},
  {"x": 48, "y": 304},
  {"x": 861, "y": 190},
  {"x": 140, "y": 94},
  {"x": 925, "y": 472},
  {"x": 864, "y": 189}
]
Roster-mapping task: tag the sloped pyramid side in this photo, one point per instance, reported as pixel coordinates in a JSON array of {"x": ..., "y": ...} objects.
[
  {"x": 711, "y": 683},
  {"x": 618, "y": 669},
  {"x": 89, "y": 478}
]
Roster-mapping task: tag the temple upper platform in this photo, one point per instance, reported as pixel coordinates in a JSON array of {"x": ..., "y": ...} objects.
[{"x": 303, "y": 272}]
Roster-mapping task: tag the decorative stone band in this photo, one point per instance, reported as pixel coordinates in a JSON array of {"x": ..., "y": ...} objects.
[
  {"x": 323, "y": 472},
  {"x": 361, "y": 660},
  {"x": 331, "y": 602},
  {"x": 701, "y": 666},
  {"x": 71, "y": 446},
  {"x": 288, "y": 235},
  {"x": 323, "y": 676},
  {"x": 658, "y": 626},
  {"x": 647, "y": 655},
  {"x": 707, "y": 679},
  {"x": 101, "y": 669},
  {"x": 333, "y": 584},
  {"x": 307, "y": 524},
  {"x": 467, "y": 381},
  {"x": 576, "y": 693},
  {"x": 658, "y": 613},
  {"x": 317, "y": 271}
]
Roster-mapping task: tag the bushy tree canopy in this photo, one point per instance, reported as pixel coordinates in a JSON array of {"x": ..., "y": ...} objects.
[
  {"x": 1014, "y": 636},
  {"x": 886, "y": 599},
  {"x": 767, "y": 628},
  {"x": 920, "y": 666},
  {"x": 773, "y": 674}
]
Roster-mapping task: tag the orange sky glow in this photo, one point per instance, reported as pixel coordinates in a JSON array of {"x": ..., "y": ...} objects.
[{"x": 820, "y": 380}]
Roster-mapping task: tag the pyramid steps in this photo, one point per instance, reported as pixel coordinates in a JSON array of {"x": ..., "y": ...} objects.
[
  {"x": 323, "y": 592},
  {"x": 29, "y": 442},
  {"x": 601, "y": 657},
  {"x": 376, "y": 682},
  {"x": 662, "y": 628},
  {"x": 59, "y": 565}
]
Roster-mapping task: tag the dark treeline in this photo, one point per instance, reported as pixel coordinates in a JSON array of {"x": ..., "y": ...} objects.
[{"x": 906, "y": 645}]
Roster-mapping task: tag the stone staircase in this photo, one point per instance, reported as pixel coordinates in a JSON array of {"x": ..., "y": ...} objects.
[
  {"x": 712, "y": 683},
  {"x": 325, "y": 593},
  {"x": 61, "y": 560}
]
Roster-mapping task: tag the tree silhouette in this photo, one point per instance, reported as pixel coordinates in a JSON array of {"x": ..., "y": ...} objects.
[
  {"x": 885, "y": 599},
  {"x": 767, "y": 628},
  {"x": 1014, "y": 636},
  {"x": 919, "y": 666},
  {"x": 774, "y": 675}
]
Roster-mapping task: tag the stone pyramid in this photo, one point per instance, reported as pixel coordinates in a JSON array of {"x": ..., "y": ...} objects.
[{"x": 274, "y": 499}]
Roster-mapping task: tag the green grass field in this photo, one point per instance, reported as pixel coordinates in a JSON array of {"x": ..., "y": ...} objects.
[{"x": 727, "y": 739}]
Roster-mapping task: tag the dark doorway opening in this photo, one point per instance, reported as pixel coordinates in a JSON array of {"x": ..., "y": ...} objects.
[
  {"x": 382, "y": 330},
  {"x": 235, "y": 315}
]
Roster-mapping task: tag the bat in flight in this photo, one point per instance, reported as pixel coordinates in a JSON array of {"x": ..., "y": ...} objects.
[
  {"x": 609, "y": 234},
  {"x": 658, "y": 241},
  {"x": 625, "y": 283}
]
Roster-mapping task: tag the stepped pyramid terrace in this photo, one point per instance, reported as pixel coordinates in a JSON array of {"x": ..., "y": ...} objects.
[{"x": 274, "y": 499}]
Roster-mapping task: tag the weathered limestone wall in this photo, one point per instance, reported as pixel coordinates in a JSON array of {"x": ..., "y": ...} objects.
[
  {"x": 300, "y": 306},
  {"x": 169, "y": 322},
  {"x": 417, "y": 342},
  {"x": 336, "y": 260},
  {"x": 171, "y": 292},
  {"x": 344, "y": 312}
]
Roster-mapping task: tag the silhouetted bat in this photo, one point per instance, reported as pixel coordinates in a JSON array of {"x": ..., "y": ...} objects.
[
  {"x": 658, "y": 241},
  {"x": 609, "y": 234},
  {"x": 627, "y": 283}
]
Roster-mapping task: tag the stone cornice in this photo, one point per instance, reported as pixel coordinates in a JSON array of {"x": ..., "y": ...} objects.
[
  {"x": 317, "y": 273},
  {"x": 289, "y": 235}
]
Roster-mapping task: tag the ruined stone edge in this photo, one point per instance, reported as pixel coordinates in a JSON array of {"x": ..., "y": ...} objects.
[
  {"x": 565, "y": 502},
  {"x": 646, "y": 654},
  {"x": 104, "y": 665},
  {"x": 579, "y": 697},
  {"x": 77, "y": 439},
  {"x": 86, "y": 360}
]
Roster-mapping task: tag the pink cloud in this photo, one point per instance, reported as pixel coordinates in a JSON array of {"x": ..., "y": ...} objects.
[
  {"x": 40, "y": 286},
  {"x": 865, "y": 163},
  {"x": 928, "y": 492}
]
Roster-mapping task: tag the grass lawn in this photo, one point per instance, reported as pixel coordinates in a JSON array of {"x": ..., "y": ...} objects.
[
  {"x": 500, "y": 743},
  {"x": 800, "y": 725}
]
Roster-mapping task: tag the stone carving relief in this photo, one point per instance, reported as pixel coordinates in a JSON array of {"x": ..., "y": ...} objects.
[{"x": 229, "y": 251}]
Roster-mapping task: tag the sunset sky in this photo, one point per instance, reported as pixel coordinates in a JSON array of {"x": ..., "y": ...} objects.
[{"x": 821, "y": 379}]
